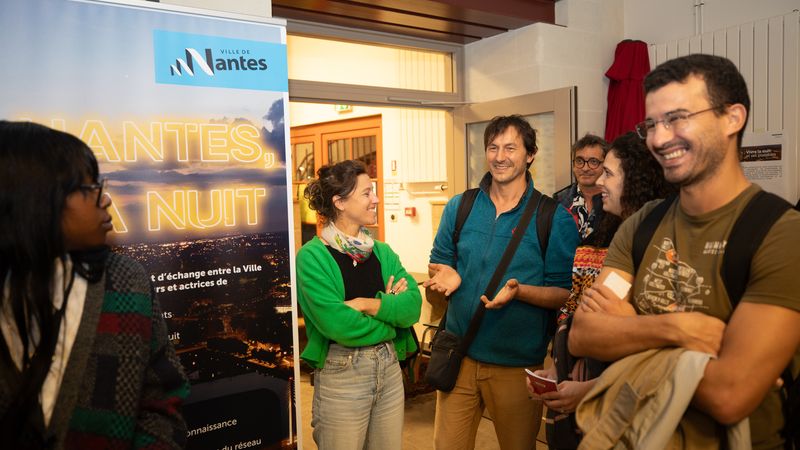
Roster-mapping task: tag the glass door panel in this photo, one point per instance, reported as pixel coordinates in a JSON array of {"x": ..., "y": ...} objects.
[
  {"x": 338, "y": 150},
  {"x": 303, "y": 161},
  {"x": 364, "y": 150}
]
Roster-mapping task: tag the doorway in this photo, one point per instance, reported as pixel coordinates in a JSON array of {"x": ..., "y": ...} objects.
[{"x": 319, "y": 144}]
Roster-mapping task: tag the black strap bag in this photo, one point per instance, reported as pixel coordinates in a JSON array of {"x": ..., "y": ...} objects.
[{"x": 447, "y": 348}]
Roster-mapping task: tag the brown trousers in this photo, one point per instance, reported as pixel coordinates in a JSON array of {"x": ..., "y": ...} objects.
[{"x": 501, "y": 390}]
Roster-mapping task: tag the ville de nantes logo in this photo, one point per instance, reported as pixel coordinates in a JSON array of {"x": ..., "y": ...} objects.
[{"x": 213, "y": 61}]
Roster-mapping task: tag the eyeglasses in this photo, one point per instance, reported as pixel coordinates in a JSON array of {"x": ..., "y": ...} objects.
[
  {"x": 100, "y": 187},
  {"x": 675, "y": 119},
  {"x": 593, "y": 163}
]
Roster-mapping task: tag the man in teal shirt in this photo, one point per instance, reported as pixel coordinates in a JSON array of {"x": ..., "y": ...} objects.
[{"x": 513, "y": 334}]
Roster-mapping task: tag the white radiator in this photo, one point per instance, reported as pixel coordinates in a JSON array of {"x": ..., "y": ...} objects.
[
  {"x": 767, "y": 53},
  {"x": 422, "y": 146}
]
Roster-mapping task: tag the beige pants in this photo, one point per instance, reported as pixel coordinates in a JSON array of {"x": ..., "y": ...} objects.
[{"x": 503, "y": 392}]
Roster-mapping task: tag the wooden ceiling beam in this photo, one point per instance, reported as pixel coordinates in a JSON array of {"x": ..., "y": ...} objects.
[
  {"x": 394, "y": 17},
  {"x": 459, "y": 21}
]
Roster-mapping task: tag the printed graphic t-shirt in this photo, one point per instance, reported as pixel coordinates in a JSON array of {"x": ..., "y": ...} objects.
[{"x": 680, "y": 271}]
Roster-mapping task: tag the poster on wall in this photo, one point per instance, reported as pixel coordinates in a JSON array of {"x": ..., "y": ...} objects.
[
  {"x": 186, "y": 115},
  {"x": 765, "y": 162}
]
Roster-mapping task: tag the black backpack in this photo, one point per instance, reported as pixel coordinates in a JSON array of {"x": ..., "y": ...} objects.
[
  {"x": 750, "y": 229},
  {"x": 545, "y": 211},
  {"x": 544, "y": 216}
]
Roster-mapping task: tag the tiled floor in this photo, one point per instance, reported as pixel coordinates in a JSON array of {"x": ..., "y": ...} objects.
[{"x": 418, "y": 428}]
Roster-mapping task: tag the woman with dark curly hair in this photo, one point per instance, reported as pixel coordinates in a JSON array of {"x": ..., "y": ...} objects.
[
  {"x": 631, "y": 177},
  {"x": 85, "y": 361},
  {"x": 358, "y": 302}
]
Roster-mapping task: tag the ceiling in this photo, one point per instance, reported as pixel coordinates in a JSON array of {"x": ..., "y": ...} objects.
[{"x": 457, "y": 21}]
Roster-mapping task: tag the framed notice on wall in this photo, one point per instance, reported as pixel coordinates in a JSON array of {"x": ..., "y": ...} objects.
[{"x": 766, "y": 162}]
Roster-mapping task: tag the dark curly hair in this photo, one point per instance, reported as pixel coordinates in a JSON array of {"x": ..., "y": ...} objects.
[
  {"x": 644, "y": 181},
  {"x": 499, "y": 124},
  {"x": 644, "y": 176},
  {"x": 332, "y": 180},
  {"x": 590, "y": 140},
  {"x": 724, "y": 84}
]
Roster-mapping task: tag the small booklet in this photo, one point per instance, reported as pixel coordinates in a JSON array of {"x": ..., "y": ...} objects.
[{"x": 541, "y": 384}]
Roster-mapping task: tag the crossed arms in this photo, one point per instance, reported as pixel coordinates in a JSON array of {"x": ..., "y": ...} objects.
[{"x": 752, "y": 349}]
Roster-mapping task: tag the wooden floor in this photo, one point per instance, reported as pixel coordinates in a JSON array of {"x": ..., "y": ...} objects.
[{"x": 418, "y": 428}]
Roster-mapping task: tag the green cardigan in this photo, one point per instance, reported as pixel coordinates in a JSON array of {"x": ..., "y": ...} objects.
[{"x": 320, "y": 292}]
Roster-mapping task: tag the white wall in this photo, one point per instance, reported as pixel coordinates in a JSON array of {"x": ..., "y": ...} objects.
[
  {"x": 261, "y": 8},
  {"x": 539, "y": 57},
  {"x": 579, "y": 51},
  {"x": 656, "y": 21}
]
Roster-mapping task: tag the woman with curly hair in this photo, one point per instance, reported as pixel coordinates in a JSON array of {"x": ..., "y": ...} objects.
[
  {"x": 631, "y": 177},
  {"x": 85, "y": 361},
  {"x": 358, "y": 302}
]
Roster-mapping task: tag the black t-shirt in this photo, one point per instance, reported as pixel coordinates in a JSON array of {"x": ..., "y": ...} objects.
[{"x": 363, "y": 279}]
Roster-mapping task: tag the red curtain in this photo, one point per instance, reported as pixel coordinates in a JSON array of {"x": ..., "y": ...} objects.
[{"x": 625, "y": 91}]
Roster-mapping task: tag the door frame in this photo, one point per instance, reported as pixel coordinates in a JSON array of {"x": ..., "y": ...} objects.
[{"x": 321, "y": 133}]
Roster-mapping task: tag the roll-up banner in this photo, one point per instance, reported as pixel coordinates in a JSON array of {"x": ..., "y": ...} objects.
[{"x": 185, "y": 111}]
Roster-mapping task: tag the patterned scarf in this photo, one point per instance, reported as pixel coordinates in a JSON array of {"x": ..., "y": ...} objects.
[
  {"x": 581, "y": 214},
  {"x": 359, "y": 248}
]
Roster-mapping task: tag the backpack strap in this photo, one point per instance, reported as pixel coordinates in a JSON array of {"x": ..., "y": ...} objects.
[
  {"x": 491, "y": 288},
  {"x": 750, "y": 229},
  {"x": 464, "y": 208},
  {"x": 646, "y": 230},
  {"x": 746, "y": 236},
  {"x": 544, "y": 221},
  {"x": 546, "y": 210}
]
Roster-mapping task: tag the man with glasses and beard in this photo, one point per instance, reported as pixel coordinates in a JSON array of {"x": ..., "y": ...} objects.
[{"x": 696, "y": 111}]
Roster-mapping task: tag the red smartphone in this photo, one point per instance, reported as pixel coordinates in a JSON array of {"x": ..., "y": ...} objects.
[{"x": 541, "y": 384}]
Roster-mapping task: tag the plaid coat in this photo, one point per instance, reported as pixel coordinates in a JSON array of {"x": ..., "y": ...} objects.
[{"x": 123, "y": 385}]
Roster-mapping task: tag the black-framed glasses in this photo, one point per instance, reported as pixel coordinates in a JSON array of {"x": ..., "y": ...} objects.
[
  {"x": 674, "y": 119},
  {"x": 101, "y": 188},
  {"x": 593, "y": 163}
]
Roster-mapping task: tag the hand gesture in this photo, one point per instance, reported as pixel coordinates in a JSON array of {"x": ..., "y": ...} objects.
[
  {"x": 444, "y": 279},
  {"x": 699, "y": 331},
  {"x": 568, "y": 395},
  {"x": 600, "y": 298},
  {"x": 505, "y": 295},
  {"x": 550, "y": 373},
  {"x": 396, "y": 288}
]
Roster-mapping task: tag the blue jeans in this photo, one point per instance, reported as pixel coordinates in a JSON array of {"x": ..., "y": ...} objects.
[{"x": 358, "y": 399}]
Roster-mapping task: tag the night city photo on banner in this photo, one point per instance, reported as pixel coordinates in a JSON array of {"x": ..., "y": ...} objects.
[{"x": 185, "y": 113}]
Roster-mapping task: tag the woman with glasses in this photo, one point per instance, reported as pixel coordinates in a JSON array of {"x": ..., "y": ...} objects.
[
  {"x": 358, "y": 302},
  {"x": 84, "y": 357},
  {"x": 631, "y": 177}
]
